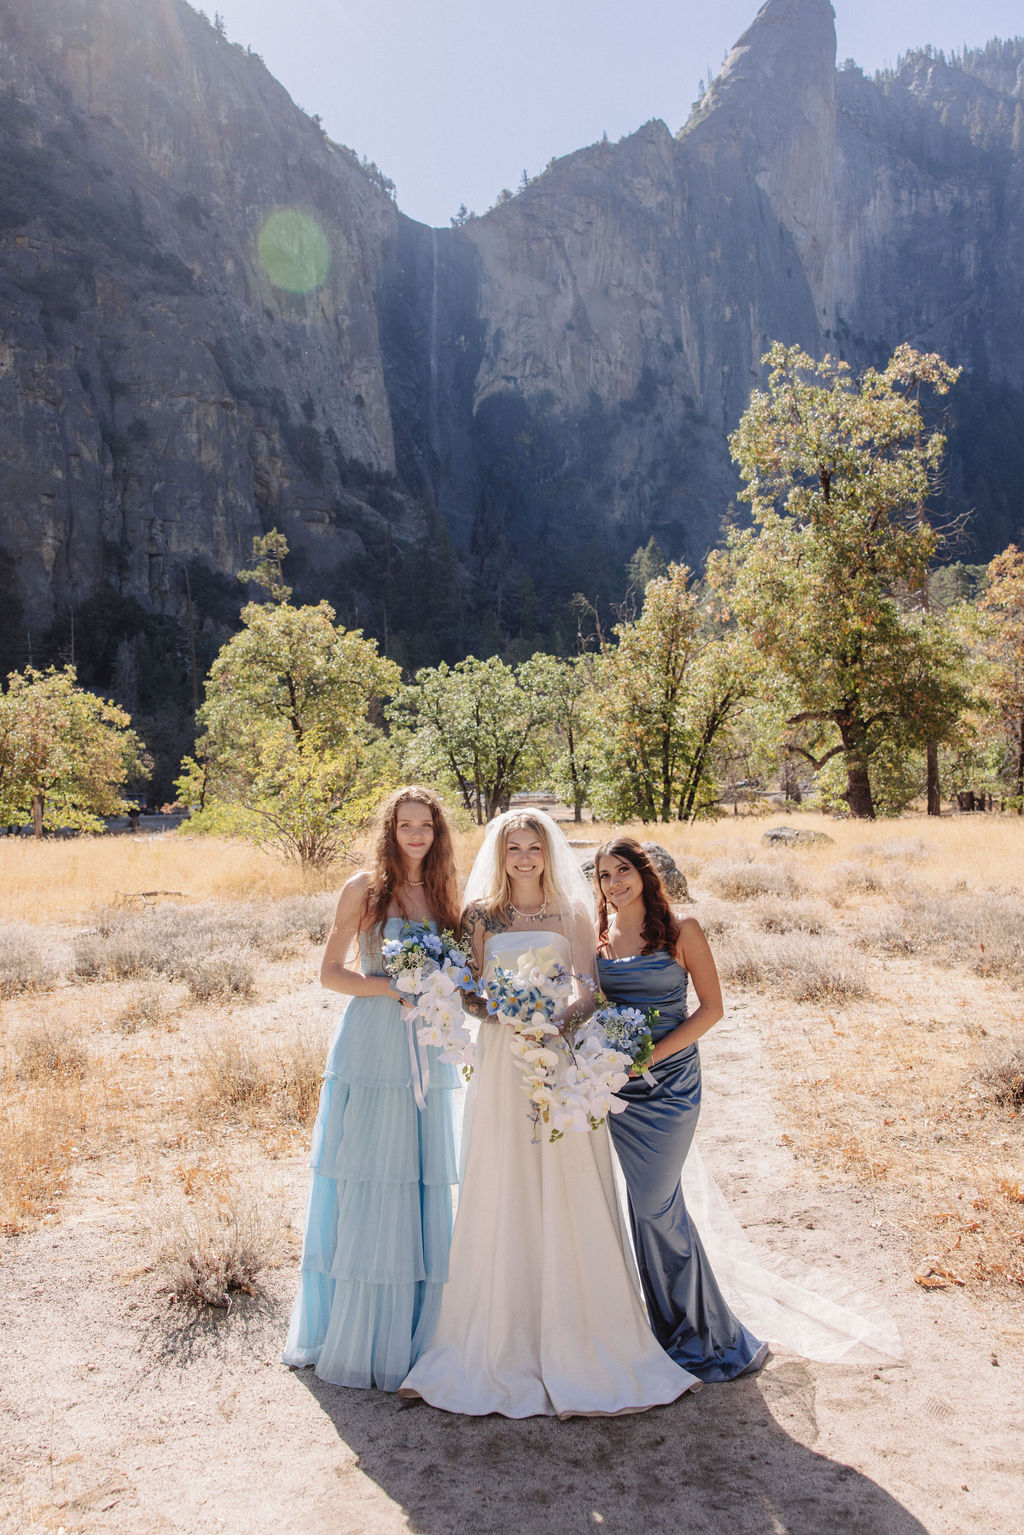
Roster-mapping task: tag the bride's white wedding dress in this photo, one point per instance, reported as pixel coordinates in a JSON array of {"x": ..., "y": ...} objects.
[{"x": 541, "y": 1313}]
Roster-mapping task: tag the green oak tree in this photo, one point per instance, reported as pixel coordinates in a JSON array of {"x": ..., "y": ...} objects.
[
  {"x": 478, "y": 727},
  {"x": 1003, "y": 604},
  {"x": 573, "y": 723},
  {"x": 837, "y": 471},
  {"x": 291, "y": 752},
  {"x": 65, "y": 754},
  {"x": 669, "y": 684}
]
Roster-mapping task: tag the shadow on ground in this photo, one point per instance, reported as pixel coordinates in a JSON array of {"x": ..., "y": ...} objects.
[{"x": 715, "y": 1463}]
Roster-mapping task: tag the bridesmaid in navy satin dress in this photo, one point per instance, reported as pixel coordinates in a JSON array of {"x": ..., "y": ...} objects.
[{"x": 646, "y": 958}]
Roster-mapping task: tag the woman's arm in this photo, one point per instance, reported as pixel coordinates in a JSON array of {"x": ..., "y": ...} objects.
[
  {"x": 694, "y": 954},
  {"x": 334, "y": 973},
  {"x": 473, "y": 927}
]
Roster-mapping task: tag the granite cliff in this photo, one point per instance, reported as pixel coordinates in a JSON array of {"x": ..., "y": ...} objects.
[{"x": 215, "y": 320}]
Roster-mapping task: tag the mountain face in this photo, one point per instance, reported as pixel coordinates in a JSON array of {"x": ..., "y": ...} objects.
[{"x": 215, "y": 321}]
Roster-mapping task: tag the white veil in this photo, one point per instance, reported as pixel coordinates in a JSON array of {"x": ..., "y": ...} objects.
[
  {"x": 569, "y": 891},
  {"x": 794, "y": 1306}
]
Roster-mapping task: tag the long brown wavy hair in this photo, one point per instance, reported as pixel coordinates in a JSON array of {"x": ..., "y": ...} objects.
[
  {"x": 660, "y": 927},
  {"x": 499, "y": 899},
  {"x": 440, "y": 886}
]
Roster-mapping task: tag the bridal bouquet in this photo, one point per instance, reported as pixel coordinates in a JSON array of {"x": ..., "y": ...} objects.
[
  {"x": 526, "y": 999},
  {"x": 626, "y": 1030},
  {"x": 568, "y": 1086},
  {"x": 433, "y": 970},
  {"x": 615, "y": 1042}
]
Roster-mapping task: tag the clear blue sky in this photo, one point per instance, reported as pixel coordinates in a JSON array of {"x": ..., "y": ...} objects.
[{"x": 454, "y": 99}]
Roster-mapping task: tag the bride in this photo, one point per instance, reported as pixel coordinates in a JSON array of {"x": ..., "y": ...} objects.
[{"x": 541, "y": 1313}]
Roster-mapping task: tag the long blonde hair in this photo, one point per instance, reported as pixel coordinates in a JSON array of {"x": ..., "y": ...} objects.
[
  {"x": 440, "y": 886},
  {"x": 498, "y": 901}
]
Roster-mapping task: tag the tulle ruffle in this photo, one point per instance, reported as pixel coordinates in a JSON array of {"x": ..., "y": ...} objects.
[
  {"x": 379, "y": 1211},
  {"x": 362, "y": 1334}
]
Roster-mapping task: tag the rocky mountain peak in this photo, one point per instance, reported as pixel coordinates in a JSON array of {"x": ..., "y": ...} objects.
[{"x": 772, "y": 108}]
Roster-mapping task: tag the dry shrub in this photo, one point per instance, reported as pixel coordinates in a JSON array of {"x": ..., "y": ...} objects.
[
  {"x": 983, "y": 929},
  {"x": 884, "y": 931},
  {"x": 302, "y": 1074},
  {"x": 1003, "y": 1077},
  {"x": 234, "y": 1075},
  {"x": 792, "y": 917},
  {"x": 175, "y": 940},
  {"x": 45, "y": 1048},
  {"x": 23, "y": 965},
  {"x": 800, "y": 967},
  {"x": 146, "y": 1008},
  {"x": 215, "y": 1244},
  {"x": 38, "y": 1127},
  {"x": 745, "y": 880},
  {"x": 306, "y": 916},
  {"x": 717, "y": 918},
  {"x": 906, "y": 849},
  {"x": 223, "y": 974},
  {"x": 845, "y": 879}
]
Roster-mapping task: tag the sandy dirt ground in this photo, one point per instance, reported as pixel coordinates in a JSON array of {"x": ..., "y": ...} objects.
[{"x": 119, "y": 1414}]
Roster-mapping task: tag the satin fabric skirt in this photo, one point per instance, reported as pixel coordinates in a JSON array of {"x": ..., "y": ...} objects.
[
  {"x": 541, "y": 1313},
  {"x": 379, "y": 1210},
  {"x": 688, "y": 1312}
]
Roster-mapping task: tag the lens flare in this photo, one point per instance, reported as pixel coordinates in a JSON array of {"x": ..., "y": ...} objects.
[{"x": 293, "y": 251}]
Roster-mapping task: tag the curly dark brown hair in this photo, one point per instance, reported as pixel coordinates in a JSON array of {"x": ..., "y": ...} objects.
[
  {"x": 440, "y": 885},
  {"x": 661, "y": 928}
]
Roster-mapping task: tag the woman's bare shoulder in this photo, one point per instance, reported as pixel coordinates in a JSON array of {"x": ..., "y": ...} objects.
[
  {"x": 354, "y": 892},
  {"x": 478, "y": 917}
]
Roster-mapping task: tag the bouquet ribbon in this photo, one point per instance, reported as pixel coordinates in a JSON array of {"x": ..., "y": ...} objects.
[{"x": 418, "y": 1063}]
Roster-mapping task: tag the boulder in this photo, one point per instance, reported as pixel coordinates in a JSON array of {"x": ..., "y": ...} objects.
[
  {"x": 792, "y": 836},
  {"x": 672, "y": 876}
]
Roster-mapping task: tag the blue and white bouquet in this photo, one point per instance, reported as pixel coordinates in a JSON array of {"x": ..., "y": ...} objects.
[
  {"x": 526, "y": 999},
  {"x": 626, "y": 1030},
  {"x": 433, "y": 970},
  {"x": 614, "y": 1043},
  {"x": 569, "y": 1084}
]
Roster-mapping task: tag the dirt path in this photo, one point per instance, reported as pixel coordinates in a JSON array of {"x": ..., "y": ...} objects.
[{"x": 118, "y": 1416}]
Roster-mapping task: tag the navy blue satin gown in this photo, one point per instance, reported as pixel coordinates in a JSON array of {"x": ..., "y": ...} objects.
[{"x": 688, "y": 1312}]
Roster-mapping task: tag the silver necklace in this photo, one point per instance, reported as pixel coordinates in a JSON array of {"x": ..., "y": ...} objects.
[{"x": 527, "y": 916}]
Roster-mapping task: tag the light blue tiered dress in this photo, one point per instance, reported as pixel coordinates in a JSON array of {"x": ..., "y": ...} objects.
[{"x": 379, "y": 1212}]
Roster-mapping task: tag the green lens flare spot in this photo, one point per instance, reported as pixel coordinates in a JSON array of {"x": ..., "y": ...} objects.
[{"x": 293, "y": 251}]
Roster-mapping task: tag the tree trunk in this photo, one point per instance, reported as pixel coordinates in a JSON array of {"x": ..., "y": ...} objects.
[
  {"x": 934, "y": 797},
  {"x": 38, "y": 801},
  {"x": 1020, "y": 766},
  {"x": 858, "y": 790},
  {"x": 858, "y": 785}
]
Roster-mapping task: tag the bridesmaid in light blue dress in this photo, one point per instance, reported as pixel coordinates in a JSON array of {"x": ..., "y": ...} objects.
[
  {"x": 379, "y": 1211},
  {"x": 646, "y": 959}
]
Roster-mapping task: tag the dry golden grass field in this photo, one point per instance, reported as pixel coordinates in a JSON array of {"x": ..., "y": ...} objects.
[
  {"x": 138, "y": 978},
  {"x": 162, "y": 1038}
]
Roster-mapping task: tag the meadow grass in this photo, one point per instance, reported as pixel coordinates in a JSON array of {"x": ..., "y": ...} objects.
[
  {"x": 58, "y": 880},
  {"x": 159, "y": 1035}
]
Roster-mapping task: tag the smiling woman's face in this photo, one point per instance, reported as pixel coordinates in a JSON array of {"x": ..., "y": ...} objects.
[
  {"x": 414, "y": 830},
  {"x": 619, "y": 882},
  {"x": 524, "y": 854}
]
